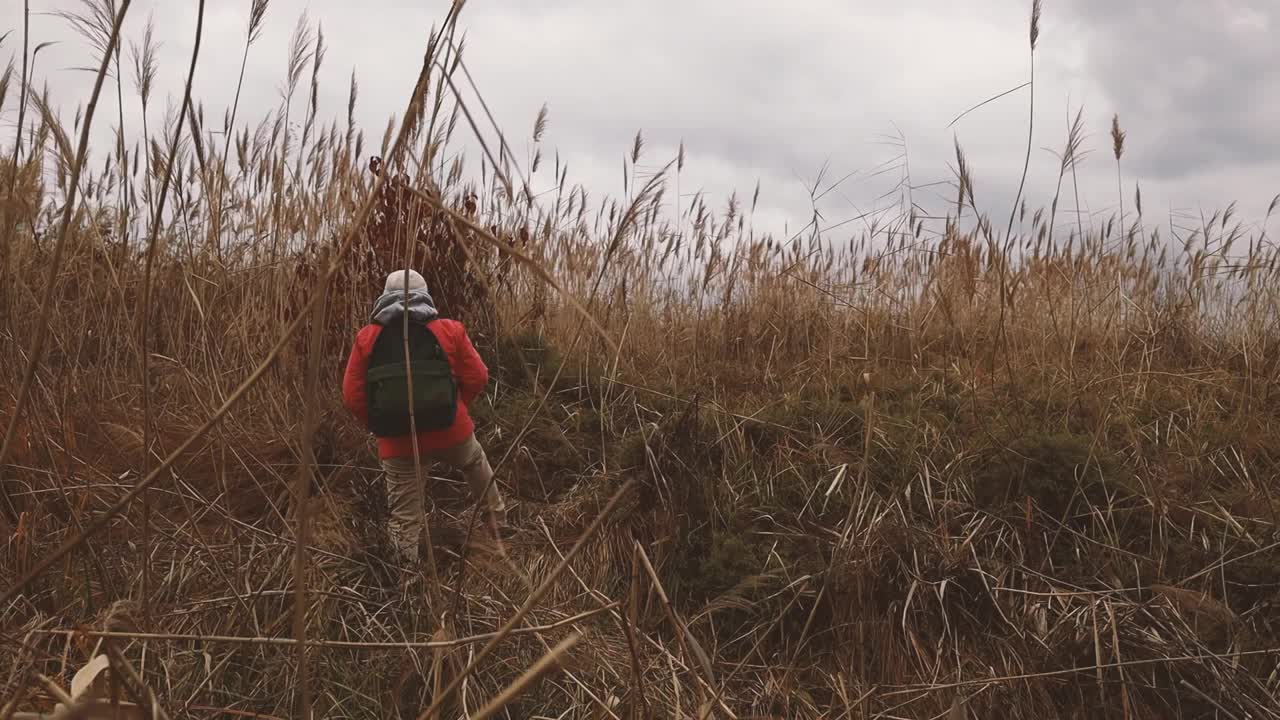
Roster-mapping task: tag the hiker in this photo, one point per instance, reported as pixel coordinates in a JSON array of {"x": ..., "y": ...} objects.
[{"x": 447, "y": 375}]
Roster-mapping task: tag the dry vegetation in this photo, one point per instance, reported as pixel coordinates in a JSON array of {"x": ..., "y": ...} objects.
[{"x": 935, "y": 470}]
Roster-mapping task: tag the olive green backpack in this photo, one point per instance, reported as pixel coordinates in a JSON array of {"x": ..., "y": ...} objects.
[{"x": 435, "y": 393}]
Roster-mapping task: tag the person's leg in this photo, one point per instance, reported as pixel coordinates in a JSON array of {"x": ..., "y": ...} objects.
[
  {"x": 469, "y": 458},
  {"x": 404, "y": 500}
]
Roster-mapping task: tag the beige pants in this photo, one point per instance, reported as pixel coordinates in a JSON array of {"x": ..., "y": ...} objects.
[{"x": 404, "y": 491}]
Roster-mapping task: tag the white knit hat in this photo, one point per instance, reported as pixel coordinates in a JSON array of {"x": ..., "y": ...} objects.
[{"x": 395, "y": 282}]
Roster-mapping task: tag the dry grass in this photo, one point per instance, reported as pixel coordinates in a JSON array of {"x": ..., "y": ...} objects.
[{"x": 929, "y": 471}]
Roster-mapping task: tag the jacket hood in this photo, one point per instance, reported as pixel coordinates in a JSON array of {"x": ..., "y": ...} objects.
[{"x": 390, "y": 307}]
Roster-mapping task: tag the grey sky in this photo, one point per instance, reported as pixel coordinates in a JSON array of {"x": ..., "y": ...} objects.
[{"x": 759, "y": 92}]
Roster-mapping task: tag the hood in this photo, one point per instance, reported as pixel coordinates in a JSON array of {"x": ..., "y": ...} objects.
[{"x": 390, "y": 306}]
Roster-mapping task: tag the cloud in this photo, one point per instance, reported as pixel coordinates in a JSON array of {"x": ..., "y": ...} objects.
[
  {"x": 762, "y": 92},
  {"x": 1201, "y": 78}
]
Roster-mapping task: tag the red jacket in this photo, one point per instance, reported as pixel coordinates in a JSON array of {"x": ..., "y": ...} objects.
[{"x": 468, "y": 370}]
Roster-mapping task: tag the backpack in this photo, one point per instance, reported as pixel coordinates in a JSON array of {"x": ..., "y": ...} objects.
[{"x": 435, "y": 401}]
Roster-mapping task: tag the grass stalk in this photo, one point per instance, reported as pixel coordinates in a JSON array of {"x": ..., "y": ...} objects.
[{"x": 144, "y": 316}]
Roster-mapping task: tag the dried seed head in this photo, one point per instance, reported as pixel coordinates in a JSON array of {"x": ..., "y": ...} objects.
[
  {"x": 300, "y": 51},
  {"x": 144, "y": 62},
  {"x": 352, "y": 95},
  {"x": 1035, "y": 24},
  {"x": 1117, "y": 137},
  {"x": 4, "y": 83},
  {"x": 540, "y": 124},
  {"x": 256, "y": 13}
]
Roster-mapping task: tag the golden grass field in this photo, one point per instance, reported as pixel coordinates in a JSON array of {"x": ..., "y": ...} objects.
[{"x": 1018, "y": 467}]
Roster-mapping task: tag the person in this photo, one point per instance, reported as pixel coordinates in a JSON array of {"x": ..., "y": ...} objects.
[{"x": 447, "y": 376}]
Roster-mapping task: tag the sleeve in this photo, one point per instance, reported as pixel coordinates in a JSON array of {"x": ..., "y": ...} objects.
[
  {"x": 468, "y": 367},
  {"x": 354, "y": 395}
]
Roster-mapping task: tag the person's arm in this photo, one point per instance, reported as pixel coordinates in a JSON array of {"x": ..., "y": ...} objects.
[
  {"x": 354, "y": 395},
  {"x": 469, "y": 369}
]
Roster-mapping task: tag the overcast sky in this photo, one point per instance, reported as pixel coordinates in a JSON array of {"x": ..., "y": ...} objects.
[{"x": 770, "y": 92}]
